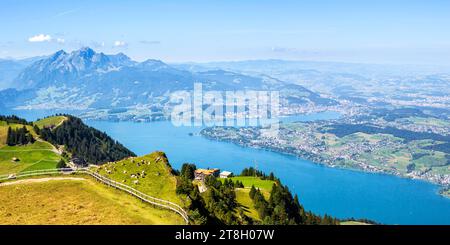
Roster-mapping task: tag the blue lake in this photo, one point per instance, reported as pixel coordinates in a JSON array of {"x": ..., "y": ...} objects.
[{"x": 338, "y": 192}]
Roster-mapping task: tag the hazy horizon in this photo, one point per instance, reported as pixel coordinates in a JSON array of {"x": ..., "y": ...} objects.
[{"x": 382, "y": 32}]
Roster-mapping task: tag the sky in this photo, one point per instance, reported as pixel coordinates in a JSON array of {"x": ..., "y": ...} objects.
[{"x": 386, "y": 32}]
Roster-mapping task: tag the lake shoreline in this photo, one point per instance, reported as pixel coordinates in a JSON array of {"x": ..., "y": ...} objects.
[
  {"x": 341, "y": 192},
  {"x": 315, "y": 159}
]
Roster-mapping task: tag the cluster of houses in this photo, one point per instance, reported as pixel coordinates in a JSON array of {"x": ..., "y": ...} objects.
[{"x": 201, "y": 174}]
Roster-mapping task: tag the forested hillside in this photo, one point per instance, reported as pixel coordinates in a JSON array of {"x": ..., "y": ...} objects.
[{"x": 85, "y": 142}]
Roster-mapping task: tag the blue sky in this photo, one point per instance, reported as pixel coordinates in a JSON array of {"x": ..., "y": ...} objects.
[{"x": 404, "y": 32}]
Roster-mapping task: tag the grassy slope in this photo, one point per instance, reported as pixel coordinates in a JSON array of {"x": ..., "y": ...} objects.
[
  {"x": 242, "y": 194},
  {"x": 353, "y": 223},
  {"x": 248, "y": 181},
  {"x": 3, "y": 133},
  {"x": 76, "y": 202},
  {"x": 157, "y": 181},
  {"x": 38, "y": 155},
  {"x": 33, "y": 156},
  {"x": 243, "y": 198},
  {"x": 56, "y": 120},
  {"x": 4, "y": 130}
]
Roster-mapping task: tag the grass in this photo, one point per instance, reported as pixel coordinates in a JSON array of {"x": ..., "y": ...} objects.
[
  {"x": 38, "y": 155},
  {"x": 433, "y": 159},
  {"x": 56, "y": 121},
  {"x": 4, "y": 130},
  {"x": 248, "y": 181},
  {"x": 76, "y": 202},
  {"x": 353, "y": 223},
  {"x": 243, "y": 198},
  {"x": 3, "y": 133},
  {"x": 154, "y": 175},
  {"x": 429, "y": 121}
]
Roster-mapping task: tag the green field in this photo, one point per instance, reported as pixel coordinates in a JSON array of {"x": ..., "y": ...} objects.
[
  {"x": 429, "y": 121},
  {"x": 243, "y": 198},
  {"x": 3, "y": 133},
  {"x": 242, "y": 194},
  {"x": 56, "y": 121},
  {"x": 353, "y": 223},
  {"x": 151, "y": 171},
  {"x": 76, "y": 202},
  {"x": 4, "y": 130},
  {"x": 248, "y": 181},
  {"x": 38, "y": 155}
]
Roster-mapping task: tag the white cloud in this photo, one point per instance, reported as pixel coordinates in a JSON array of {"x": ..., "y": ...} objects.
[
  {"x": 120, "y": 44},
  {"x": 40, "y": 38},
  {"x": 150, "y": 42},
  {"x": 60, "y": 40}
]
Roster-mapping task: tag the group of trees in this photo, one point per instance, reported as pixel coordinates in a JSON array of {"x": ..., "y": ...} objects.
[
  {"x": 197, "y": 211},
  {"x": 14, "y": 119},
  {"x": 61, "y": 164},
  {"x": 85, "y": 142},
  {"x": 257, "y": 173},
  {"x": 220, "y": 201},
  {"x": 341, "y": 130},
  {"x": 19, "y": 136},
  {"x": 184, "y": 185},
  {"x": 218, "y": 205},
  {"x": 284, "y": 209}
]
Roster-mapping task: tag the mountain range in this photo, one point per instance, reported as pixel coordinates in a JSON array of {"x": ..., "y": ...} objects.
[{"x": 99, "y": 84}]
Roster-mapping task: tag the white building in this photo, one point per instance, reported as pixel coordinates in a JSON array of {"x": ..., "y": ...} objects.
[{"x": 225, "y": 174}]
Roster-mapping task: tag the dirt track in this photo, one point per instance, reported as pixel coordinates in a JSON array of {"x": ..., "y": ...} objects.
[{"x": 29, "y": 181}]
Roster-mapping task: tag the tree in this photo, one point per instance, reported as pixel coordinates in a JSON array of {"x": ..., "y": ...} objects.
[
  {"x": 36, "y": 129},
  {"x": 252, "y": 192},
  {"x": 61, "y": 164},
  {"x": 9, "y": 137},
  {"x": 187, "y": 171},
  {"x": 87, "y": 143},
  {"x": 20, "y": 136}
]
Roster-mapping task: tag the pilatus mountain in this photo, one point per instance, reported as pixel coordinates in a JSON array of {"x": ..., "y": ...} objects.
[{"x": 112, "y": 86}]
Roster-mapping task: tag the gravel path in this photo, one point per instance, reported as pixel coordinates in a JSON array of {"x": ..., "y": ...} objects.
[{"x": 29, "y": 181}]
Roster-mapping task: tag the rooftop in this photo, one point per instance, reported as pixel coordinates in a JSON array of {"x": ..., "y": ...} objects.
[{"x": 206, "y": 171}]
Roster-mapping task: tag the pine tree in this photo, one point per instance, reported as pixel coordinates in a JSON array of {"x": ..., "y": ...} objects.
[
  {"x": 252, "y": 192},
  {"x": 61, "y": 164},
  {"x": 10, "y": 137},
  {"x": 36, "y": 129}
]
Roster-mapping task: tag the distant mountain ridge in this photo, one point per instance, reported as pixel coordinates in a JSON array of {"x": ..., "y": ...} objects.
[
  {"x": 11, "y": 68},
  {"x": 85, "y": 80},
  {"x": 65, "y": 67}
]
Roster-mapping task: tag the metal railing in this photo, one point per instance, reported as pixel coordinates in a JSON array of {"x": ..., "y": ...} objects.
[{"x": 142, "y": 196}]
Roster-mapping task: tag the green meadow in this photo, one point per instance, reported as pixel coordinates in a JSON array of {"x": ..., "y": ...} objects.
[
  {"x": 77, "y": 201},
  {"x": 39, "y": 155}
]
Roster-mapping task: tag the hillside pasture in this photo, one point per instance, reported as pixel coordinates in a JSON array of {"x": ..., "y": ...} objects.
[
  {"x": 149, "y": 174},
  {"x": 50, "y": 121},
  {"x": 36, "y": 156},
  {"x": 76, "y": 202}
]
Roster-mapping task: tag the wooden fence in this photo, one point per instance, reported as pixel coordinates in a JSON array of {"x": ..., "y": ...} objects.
[{"x": 144, "y": 197}]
